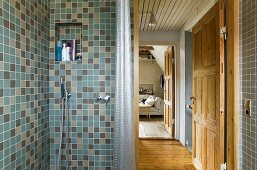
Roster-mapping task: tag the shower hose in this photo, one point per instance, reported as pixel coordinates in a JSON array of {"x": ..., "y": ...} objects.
[{"x": 65, "y": 113}]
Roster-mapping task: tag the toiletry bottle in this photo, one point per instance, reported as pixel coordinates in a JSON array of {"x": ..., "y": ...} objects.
[
  {"x": 73, "y": 50},
  {"x": 68, "y": 48},
  {"x": 67, "y": 53},
  {"x": 58, "y": 52},
  {"x": 64, "y": 52},
  {"x": 78, "y": 57}
]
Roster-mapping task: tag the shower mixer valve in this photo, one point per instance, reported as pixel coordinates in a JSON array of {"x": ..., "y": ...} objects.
[{"x": 106, "y": 99}]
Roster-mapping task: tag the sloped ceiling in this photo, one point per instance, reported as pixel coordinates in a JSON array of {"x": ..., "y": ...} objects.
[{"x": 158, "y": 53}]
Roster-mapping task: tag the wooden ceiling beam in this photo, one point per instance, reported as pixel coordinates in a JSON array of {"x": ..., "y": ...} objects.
[
  {"x": 145, "y": 48},
  {"x": 144, "y": 53}
]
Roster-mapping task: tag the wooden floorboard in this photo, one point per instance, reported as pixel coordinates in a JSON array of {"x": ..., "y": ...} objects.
[
  {"x": 164, "y": 155},
  {"x": 152, "y": 128}
]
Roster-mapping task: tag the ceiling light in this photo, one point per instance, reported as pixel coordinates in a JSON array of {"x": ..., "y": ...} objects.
[{"x": 152, "y": 21}]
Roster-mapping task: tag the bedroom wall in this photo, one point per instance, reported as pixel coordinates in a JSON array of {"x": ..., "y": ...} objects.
[{"x": 149, "y": 73}]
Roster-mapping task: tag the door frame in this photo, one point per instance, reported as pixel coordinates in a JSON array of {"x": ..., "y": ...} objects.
[
  {"x": 177, "y": 92},
  {"x": 232, "y": 74},
  {"x": 176, "y": 54}
]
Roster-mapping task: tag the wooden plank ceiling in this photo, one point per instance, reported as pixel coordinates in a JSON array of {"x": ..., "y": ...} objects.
[{"x": 170, "y": 15}]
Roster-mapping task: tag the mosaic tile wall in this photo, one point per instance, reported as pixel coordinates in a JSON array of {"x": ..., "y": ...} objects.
[
  {"x": 90, "y": 123},
  {"x": 248, "y": 83},
  {"x": 24, "y": 52}
]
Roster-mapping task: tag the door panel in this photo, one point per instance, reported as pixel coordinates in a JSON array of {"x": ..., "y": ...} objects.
[
  {"x": 208, "y": 91},
  {"x": 198, "y": 95},
  {"x": 211, "y": 138},
  {"x": 210, "y": 46},
  {"x": 169, "y": 97},
  {"x": 198, "y": 51},
  {"x": 199, "y": 143},
  {"x": 211, "y": 90}
]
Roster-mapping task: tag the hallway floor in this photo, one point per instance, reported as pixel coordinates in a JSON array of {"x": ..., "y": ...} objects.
[
  {"x": 152, "y": 128},
  {"x": 164, "y": 155}
]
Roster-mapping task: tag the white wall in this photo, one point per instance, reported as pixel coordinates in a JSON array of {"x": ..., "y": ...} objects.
[
  {"x": 149, "y": 73},
  {"x": 158, "y": 36},
  {"x": 181, "y": 82}
]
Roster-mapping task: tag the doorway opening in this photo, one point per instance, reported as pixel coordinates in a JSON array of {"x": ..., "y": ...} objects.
[{"x": 156, "y": 91}]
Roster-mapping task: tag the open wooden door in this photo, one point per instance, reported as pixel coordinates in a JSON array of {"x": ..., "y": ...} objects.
[
  {"x": 208, "y": 90},
  {"x": 169, "y": 94}
]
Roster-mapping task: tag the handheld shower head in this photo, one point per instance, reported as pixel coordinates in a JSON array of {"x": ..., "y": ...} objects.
[{"x": 62, "y": 88}]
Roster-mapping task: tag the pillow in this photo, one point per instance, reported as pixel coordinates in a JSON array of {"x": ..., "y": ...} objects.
[
  {"x": 150, "y": 101},
  {"x": 158, "y": 102},
  {"x": 151, "y": 98},
  {"x": 143, "y": 100}
]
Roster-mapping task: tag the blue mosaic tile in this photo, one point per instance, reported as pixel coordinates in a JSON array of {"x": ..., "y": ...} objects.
[{"x": 24, "y": 58}]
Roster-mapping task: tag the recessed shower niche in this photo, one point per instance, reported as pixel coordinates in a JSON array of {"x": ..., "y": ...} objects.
[{"x": 68, "y": 42}]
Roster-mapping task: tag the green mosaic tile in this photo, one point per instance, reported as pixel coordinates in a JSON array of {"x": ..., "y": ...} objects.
[{"x": 18, "y": 30}]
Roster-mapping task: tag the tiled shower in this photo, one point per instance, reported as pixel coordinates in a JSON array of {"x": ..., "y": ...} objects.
[
  {"x": 91, "y": 123},
  {"x": 30, "y": 100},
  {"x": 24, "y": 87}
]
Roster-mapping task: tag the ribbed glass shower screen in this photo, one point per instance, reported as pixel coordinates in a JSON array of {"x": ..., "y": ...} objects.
[{"x": 124, "y": 145}]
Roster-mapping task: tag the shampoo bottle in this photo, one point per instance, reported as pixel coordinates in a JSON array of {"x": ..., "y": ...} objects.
[{"x": 58, "y": 52}]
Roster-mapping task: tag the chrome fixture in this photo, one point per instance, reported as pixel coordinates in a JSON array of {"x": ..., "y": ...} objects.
[
  {"x": 106, "y": 99},
  {"x": 68, "y": 94},
  {"x": 65, "y": 96},
  {"x": 64, "y": 92},
  {"x": 152, "y": 22}
]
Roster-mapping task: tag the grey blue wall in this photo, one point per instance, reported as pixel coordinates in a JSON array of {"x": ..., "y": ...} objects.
[
  {"x": 248, "y": 83},
  {"x": 188, "y": 88},
  {"x": 24, "y": 54}
]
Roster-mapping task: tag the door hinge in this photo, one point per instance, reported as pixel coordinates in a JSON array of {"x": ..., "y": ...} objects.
[
  {"x": 223, "y": 32},
  {"x": 223, "y": 166}
]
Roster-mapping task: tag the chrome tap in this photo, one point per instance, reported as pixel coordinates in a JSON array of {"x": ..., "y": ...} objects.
[{"x": 106, "y": 99}]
